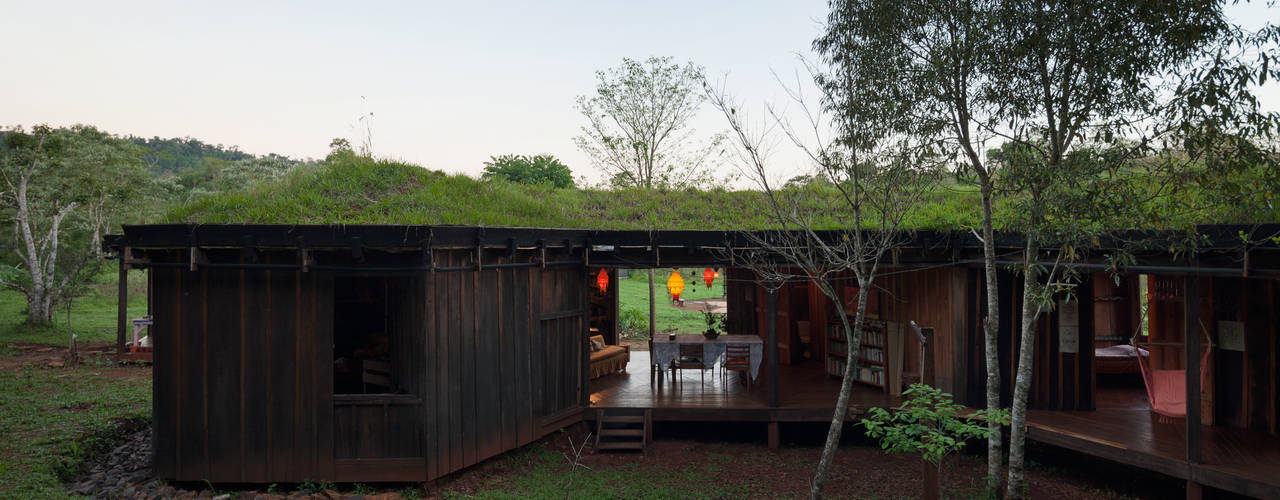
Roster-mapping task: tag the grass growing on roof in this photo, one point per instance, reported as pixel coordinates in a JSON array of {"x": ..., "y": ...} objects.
[{"x": 356, "y": 190}]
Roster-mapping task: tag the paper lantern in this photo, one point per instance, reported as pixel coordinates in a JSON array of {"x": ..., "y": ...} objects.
[
  {"x": 708, "y": 276},
  {"x": 675, "y": 285},
  {"x": 602, "y": 281}
]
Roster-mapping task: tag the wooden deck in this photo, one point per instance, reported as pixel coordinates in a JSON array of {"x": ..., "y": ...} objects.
[
  {"x": 805, "y": 394},
  {"x": 1234, "y": 459}
]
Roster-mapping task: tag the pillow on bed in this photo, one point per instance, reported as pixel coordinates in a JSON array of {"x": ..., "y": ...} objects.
[{"x": 597, "y": 342}]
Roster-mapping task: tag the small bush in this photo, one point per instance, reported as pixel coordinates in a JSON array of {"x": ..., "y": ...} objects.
[{"x": 632, "y": 321}]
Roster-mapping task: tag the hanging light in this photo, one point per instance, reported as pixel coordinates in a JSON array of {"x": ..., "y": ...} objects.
[
  {"x": 602, "y": 281},
  {"x": 708, "y": 276},
  {"x": 675, "y": 285}
]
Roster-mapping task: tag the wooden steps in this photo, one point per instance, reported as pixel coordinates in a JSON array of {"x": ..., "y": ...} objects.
[{"x": 623, "y": 428}]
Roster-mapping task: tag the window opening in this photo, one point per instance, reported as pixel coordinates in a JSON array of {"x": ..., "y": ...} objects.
[{"x": 362, "y": 346}]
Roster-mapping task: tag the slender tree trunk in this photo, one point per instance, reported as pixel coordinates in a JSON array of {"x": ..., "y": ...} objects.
[
  {"x": 852, "y": 348},
  {"x": 991, "y": 338},
  {"x": 1026, "y": 361}
]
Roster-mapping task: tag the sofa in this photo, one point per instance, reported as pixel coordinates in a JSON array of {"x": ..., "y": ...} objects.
[{"x": 606, "y": 359}]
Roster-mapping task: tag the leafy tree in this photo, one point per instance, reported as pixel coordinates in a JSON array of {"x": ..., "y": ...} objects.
[
  {"x": 638, "y": 132},
  {"x": 929, "y": 424},
  {"x": 1063, "y": 82},
  {"x": 539, "y": 169},
  {"x": 50, "y": 176},
  {"x": 878, "y": 184}
]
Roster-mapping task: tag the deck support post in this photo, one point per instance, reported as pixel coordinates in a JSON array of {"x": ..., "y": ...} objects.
[
  {"x": 1194, "y": 490},
  {"x": 1192, "y": 353},
  {"x": 775, "y": 437},
  {"x": 122, "y": 304},
  {"x": 772, "y": 343}
]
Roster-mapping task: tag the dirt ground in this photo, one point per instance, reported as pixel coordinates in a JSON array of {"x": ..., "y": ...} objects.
[{"x": 22, "y": 354}]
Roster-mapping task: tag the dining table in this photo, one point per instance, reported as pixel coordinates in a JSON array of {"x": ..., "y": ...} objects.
[{"x": 667, "y": 349}]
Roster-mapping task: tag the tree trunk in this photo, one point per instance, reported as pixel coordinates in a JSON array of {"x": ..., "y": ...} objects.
[
  {"x": 653, "y": 309},
  {"x": 1022, "y": 384},
  {"x": 991, "y": 339},
  {"x": 39, "y": 307},
  {"x": 852, "y": 349}
]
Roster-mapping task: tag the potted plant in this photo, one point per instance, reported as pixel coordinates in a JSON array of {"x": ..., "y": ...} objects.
[{"x": 712, "y": 319}]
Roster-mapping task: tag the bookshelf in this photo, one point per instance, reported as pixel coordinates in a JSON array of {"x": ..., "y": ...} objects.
[{"x": 873, "y": 353}]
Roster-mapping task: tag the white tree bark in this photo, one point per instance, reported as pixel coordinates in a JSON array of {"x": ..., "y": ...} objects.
[
  {"x": 991, "y": 342},
  {"x": 39, "y": 255},
  {"x": 1022, "y": 385}
]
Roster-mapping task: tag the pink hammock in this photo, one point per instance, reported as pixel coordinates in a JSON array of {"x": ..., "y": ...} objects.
[{"x": 1167, "y": 389}]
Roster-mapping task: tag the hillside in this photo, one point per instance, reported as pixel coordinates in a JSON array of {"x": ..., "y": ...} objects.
[{"x": 355, "y": 190}]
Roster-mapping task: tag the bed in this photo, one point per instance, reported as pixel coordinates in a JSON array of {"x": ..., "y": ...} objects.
[{"x": 1118, "y": 359}]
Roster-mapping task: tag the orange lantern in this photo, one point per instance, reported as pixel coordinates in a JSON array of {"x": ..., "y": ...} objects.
[
  {"x": 602, "y": 281},
  {"x": 708, "y": 276},
  {"x": 675, "y": 285}
]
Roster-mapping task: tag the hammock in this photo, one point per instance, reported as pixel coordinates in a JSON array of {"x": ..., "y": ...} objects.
[{"x": 1167, "y": 389}]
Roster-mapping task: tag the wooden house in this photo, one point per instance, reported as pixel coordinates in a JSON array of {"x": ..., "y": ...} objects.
[{"x": 405, "y": 353}]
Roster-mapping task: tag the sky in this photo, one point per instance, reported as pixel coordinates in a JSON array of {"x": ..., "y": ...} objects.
[{"x": 449, "y": 84}]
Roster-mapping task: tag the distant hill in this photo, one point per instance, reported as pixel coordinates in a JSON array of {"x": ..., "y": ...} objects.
[{"x": 177, "y": 155}]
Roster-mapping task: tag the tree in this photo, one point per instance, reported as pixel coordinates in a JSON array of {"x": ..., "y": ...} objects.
[
  {"x": 875, "y": 185},
  {"x": 928, "y": 423},
  {"x": 50, "y": 174},
  {"x": 539, "y": 169},
  {"x": 638, "y": 132},
  {"x": 1062, "y": 81}
]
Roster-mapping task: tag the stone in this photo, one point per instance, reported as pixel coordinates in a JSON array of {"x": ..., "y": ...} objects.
[{"x": 56, "y": 364}]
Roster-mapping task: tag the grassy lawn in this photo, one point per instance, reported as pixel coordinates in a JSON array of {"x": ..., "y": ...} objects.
[
  {"x": 54, "y": 418},
  {"x": 633, "y": 294},
  {"x": 93, "y": 315}
]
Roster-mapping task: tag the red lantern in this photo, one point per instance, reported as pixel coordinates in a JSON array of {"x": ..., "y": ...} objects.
[
  {"x": 602, "y": 281},
  {"x": 708, "y": 276}
]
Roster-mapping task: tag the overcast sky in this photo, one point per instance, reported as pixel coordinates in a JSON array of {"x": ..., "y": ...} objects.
[{"x": 449, "y": 84}]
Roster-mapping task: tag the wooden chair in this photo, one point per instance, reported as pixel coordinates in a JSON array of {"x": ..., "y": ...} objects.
[
  {"x": 376, "y": 373},
  {"x": 737, "y": 358},
  {"x": 690, "y": 359}
]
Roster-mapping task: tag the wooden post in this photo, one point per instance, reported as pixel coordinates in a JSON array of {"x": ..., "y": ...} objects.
[
  {"x": 930, "y": 481},
  {"x": 1194, "y": 490},
  {"x": 927, "y": 377},
  {"x": 772, "y": 341},
  {"x": 122, "y": 304},
  {"x": 774, "y": 436},
  {"x": 1192, "y": 353}
]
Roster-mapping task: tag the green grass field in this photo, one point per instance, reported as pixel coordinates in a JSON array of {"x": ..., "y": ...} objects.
[
  {"x": 633, "y": 294},
  {"x": 55, "y": 418},
  {"x": 93, "y": 315}
]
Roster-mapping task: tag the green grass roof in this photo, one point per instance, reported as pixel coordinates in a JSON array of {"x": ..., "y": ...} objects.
[{"x": 363, "y": 191}]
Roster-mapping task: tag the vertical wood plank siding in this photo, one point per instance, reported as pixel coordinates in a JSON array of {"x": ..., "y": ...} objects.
[{"x": 490, "y": 361}]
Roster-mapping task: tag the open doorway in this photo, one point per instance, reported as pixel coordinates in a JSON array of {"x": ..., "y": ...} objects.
[{"x": 1120, "y": 310}]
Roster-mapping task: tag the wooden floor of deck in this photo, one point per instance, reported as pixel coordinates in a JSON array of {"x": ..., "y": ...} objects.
[
  {"x": 1233, "y": 459},
  {"x": 805, "y": 393}
]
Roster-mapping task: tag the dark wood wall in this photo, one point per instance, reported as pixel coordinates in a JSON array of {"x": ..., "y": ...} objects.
[
  {"x": 1061, "y": 380},
  {"x": 236, "y": 386},
  {"x": 488, "y": 361}
]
